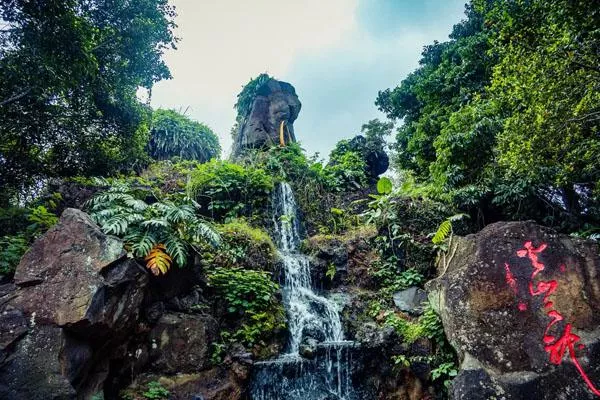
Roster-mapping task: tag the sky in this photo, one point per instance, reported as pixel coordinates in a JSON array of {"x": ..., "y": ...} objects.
[{"x": 337, "y": 53}]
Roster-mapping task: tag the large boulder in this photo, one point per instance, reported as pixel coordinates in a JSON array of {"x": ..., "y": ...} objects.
[
  {"x": 521, "y": 306},
  {"x": 182, "y": 342},
  {"x": 77, "y": 297},
  {"x": 275, "y": 103}
]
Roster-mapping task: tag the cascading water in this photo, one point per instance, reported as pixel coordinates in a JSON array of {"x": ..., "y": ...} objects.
[{"x": 292, "y": 377}]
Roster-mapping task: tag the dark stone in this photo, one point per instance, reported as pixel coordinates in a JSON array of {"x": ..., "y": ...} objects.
[
  {"x": 181, "y": 342},
  {"x": 496, "y": 325},
  {"x": 34, "y": 371},
  {"x": 154, "y": 312},
  {"x": 217, "y": 383},
  {"x": 276, "y": 102},
  {"x": 377, "y": 160},
  {"x": 411, "y": 300},
  {"x": 308, "y": 348},
  {"x": 80, "y": 298}
]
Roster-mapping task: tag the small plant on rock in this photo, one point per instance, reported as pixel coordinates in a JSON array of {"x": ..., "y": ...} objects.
[{"x": 156, "y": 391}]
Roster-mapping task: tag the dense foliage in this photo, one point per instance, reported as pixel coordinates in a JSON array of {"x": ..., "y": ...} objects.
[
  {"x": 502, "y": 119},
  {"x": 175, "y": 135},
  {"x": 162, "y": 232},
  {"x": 246, "y": 96},
  {"x": 225, "y": 190},
  {"x": 70, "y": 71}
]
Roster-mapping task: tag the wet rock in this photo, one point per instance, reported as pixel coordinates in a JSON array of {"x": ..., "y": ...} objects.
[
  {"x": 411, "y": 300},
  {"x": 276, "y": 102},
  {"x": 308, "y": 348},
  {"x": 181, "y": 342},
  {"x": 510, "y": 298},
  {"x": 35, "y": 371}
]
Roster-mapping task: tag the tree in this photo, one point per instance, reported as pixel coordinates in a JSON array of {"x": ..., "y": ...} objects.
[
  {"x": 502, "y": 119},
  {"x": 175, "y": 135},
  {"x": 70, "y": 70}
]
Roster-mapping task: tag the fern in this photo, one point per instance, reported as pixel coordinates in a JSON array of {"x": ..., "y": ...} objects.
[
  {"x": 445, "y": 228},
  {"x": 141, "y": 242},
  {"x": 442, "y": 232},
  {"x": 177, "y": 249},
  {"x": 161, "y": 233}
]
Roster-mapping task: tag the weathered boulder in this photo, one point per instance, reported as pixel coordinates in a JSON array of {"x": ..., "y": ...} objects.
[
  {"x": 377, "y": 160},
  {"x": 79, "y": 297},
  {"x": 276, "y": 102},
  {"x": 521, "y": 306},
  {"x": 182, "y": 342}
]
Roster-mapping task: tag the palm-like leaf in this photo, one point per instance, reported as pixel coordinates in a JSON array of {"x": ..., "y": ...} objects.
[
  {"x": 177, "y": 249},
  {"x": 141, "y": 242},
  {"x": 158, "y": 261}
]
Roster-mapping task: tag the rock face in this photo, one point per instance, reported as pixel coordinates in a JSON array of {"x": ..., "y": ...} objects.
[
  {"x": 75, "y": 299},
  {"x": 276, "y": 102},
  {"x": 521, "y": 305},
  {"x": 181, "y": 342}
]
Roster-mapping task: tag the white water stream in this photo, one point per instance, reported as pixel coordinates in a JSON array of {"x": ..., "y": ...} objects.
[
  {"x": 308, "y": 313},
  {"x": 291, "y": 377}
]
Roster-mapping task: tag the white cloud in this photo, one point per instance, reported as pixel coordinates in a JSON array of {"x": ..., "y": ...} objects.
[
  {"x": 321, "y": 47},
  {"x": 224, "y": 43}
]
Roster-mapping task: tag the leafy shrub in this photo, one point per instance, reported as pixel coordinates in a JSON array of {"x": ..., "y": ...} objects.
[
  {"x": 175, "y": 135},
  {"x": 226, "y": 191},
  {"x": 250, "y": 296},
  {"x": 12, "y": 249},
  {"x": 156, "y": 391},
  {"x": 161, "y": 232},
  {"x": 347, "y": 166},
  {"x": 246, "y": 97},
  {"x": 243, "y": 245}
]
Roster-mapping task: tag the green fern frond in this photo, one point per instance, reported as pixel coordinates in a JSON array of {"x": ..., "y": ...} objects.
[
  {"x": 155, "y": 223},
  {"x": 141, "y": 242},
  {"x": 177, "y": 215},
  {"x": 116, "y": 225},
  {"x": 177, "y": 249},
  {"x": 443, "y": 232},
  {"x": 135, "y": 204},
  {"x": 204, "y": 232}
]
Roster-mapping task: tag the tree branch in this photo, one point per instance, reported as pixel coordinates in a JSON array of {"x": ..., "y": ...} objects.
[{"x": 16, "y": 97}]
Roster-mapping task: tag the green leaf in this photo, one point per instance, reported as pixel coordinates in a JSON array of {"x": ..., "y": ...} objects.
[{"x": 384, "y": 185}]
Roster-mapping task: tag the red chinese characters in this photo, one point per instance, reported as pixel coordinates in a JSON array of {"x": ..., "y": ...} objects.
[{"x": 555, "y": 347}]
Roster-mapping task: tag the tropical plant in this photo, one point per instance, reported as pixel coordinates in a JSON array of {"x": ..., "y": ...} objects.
[
  {"x": 155, "y": 391},
  {"x": 12, "y": 249},
  {"x": 226, "y": 191},
  {"x": 246, "y": 97},
  {"x": 250, "y": 296},
  {"x": 161, "y": 233},
  {"x": 175, "y": 135}
]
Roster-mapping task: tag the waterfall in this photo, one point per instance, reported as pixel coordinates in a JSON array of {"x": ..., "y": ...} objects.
[
  {"x": 309, "y": 315},
  {"x": 306, "y": 310}
]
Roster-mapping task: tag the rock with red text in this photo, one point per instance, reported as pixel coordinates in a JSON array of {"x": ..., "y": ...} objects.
[{"x": 520, "y": 304}]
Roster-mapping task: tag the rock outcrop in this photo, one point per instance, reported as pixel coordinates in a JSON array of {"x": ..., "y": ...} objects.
[
  {"x": 521, "y": 306},
  {"x": 276, "y": 103},
  {"x": 75, "y": 300}
]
